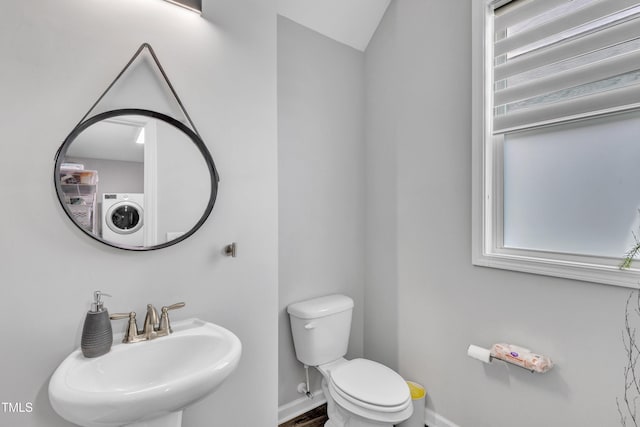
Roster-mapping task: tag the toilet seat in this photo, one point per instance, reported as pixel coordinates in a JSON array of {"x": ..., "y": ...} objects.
[
  {"x": 352, "y": 407},
  {"x": 363, "y": 404},
  {"x": 371, "y": 390},
  {"x": 371, "y": 383}
]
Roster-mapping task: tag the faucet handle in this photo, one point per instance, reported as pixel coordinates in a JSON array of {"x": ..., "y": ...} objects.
[
  {"x": 173, "y": 306},
  {"x": 132, "y": 329},
  {"x": 165, "y": 324},
  {"x": 118, "y": 316}
]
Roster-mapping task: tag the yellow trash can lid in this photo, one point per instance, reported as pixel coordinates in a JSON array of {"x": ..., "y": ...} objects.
[{"x": 417, "y": 391}]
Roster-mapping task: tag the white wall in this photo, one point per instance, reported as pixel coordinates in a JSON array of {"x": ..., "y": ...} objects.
[
  {"x": 183, "y": 184},
  {"x": 444, "y": 302},
  {"x": 321, "y": 183},
  {"x": 57, "y": 57}
]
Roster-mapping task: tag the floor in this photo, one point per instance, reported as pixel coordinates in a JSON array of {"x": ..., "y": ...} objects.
[{"x": 314, "y": 418}]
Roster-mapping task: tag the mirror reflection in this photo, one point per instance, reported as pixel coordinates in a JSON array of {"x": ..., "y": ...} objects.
[{"x": 136, "y": 181}]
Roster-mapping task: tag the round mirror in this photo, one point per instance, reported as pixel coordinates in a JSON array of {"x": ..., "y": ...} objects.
[{"x": 135, "y": 179}]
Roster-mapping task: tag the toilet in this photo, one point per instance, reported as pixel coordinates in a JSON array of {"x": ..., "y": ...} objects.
[{"x": 359, "y": 392}]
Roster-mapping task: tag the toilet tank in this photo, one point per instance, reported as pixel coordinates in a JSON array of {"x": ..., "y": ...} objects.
[{"x": 321, "y": 328}]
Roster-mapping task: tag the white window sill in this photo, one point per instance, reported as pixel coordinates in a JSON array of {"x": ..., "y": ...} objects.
[{"x": 569, "y": 269}]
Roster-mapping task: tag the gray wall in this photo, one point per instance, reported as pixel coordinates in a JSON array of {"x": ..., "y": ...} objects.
[
  {"x": 381, "y": 302},
  {"x": 444, "y": 302},
  {"x": 57, "y": 58},
  {"x": 321, "y": 183},
  {"x": 115, "y": 176}
]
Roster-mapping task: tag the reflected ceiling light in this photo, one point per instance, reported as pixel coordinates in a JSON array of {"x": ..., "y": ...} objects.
[
  {"x": 194, "y": 5},
  {"x": 140, "y": 138}
]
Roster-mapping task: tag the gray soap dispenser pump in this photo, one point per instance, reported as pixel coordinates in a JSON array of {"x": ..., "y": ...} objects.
[{"x": 97, "y": 335}]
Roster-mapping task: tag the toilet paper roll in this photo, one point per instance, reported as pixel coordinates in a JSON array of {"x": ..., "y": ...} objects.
[{"x": 482, "y": 354}]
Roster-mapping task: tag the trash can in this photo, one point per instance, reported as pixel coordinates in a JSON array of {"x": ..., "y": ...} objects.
[{"x": 417, "y": 396}]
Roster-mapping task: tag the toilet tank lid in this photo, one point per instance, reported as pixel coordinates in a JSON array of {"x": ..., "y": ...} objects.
[{"x": 320, "y": 307}]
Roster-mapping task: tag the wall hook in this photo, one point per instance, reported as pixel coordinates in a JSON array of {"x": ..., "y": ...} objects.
[{"x": 231, "y": 250}]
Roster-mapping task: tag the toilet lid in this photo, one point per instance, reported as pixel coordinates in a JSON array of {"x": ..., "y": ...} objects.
[{"x": 370, "y": 382}]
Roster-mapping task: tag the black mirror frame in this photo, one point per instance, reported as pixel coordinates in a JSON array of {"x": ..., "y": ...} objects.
[{"x": 61, "y": 153}]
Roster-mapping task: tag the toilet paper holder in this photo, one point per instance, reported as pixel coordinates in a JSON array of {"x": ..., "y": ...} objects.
[{"x": 513, "y": 355}]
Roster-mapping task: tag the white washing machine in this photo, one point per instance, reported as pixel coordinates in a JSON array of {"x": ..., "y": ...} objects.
[{"x": 122, "y": 218}]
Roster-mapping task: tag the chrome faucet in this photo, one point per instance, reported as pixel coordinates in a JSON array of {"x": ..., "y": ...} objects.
[{"x": 153, "y": 328}]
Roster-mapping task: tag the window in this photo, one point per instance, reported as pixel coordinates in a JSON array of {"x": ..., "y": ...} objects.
[{"x": 556, "y": 147}]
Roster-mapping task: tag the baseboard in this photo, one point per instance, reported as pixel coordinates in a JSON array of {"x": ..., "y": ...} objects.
[
  {"x": 434, "y": 419},
  {"x": 290, "y": 410}
]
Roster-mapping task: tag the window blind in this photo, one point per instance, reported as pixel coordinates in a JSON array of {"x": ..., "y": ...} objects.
[{"x": 554, "y": 60}]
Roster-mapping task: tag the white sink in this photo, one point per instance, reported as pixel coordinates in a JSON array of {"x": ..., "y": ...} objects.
[{"x": 146, "y": 383}]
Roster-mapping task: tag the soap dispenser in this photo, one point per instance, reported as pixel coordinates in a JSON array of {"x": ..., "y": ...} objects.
[{"x": 97, "y": 335}]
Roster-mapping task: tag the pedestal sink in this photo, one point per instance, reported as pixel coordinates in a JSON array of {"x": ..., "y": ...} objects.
[{"x": 147, "y": 383}]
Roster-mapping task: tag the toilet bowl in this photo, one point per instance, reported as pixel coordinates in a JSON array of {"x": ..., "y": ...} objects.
[{"x": 359, "y": 392}]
